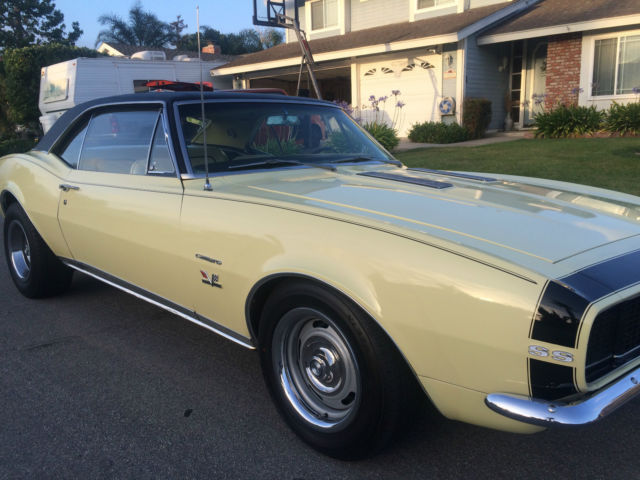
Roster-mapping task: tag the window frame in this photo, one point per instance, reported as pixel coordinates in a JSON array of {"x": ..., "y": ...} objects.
[
  {"x": 190, "y": 174},
  {"x": 446, "y": 4},
  {"x": 309, "y": 21},
  {"x": 83, "y": 121},
  {"x": 592, "y": 61}
]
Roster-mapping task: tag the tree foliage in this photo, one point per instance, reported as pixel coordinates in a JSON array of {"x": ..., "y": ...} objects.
[
  {"x": 270, "y": 37},
  {"x": 245, "y": 41},
  {"x": 22, "y": 77},
  {"x": 142, "y": 29},
  {"x": 27, "y": 22}
]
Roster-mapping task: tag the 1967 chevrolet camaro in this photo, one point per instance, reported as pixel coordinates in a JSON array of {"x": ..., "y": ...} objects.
[{"x": 512, "y": 303}]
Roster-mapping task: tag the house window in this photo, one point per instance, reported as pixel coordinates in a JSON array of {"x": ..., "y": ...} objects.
[
  {"x": 616, "y": 66},
  {"x": 422, "y": 4},
  {"x": 324, "y": 14}
]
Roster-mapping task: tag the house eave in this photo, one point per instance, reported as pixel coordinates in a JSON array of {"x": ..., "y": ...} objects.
[
  {"x": 561, "y": 29},
  {"x": 341, "y": 54},
  {"x": 463, "y": 33}
]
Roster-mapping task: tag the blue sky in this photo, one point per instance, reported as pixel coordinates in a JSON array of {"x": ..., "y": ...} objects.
[{"x": 224, "y": 15}]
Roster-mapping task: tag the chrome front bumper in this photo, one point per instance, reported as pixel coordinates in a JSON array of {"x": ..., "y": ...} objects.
[{"x": 584, "y": 411}]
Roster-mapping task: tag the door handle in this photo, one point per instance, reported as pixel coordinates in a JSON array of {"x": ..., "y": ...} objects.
[{"x": 66, "y": 187}]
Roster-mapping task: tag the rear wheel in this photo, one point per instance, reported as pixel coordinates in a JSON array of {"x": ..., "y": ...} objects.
[
  {"x": 335, "y": 376},
  {"x": 35, "y": 270}
]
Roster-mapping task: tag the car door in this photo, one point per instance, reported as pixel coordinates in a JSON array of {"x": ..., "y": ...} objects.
[{"x": 120, "y": 206}]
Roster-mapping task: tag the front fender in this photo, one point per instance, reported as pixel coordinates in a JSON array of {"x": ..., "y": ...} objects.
[{"x": 34, "y": 183}]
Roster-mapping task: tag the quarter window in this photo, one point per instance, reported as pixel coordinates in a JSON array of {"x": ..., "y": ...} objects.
[
  {"x": 616, "y": 66},
  {"x": 324, "y": 14},
  {"x": 160, "y": 159}
]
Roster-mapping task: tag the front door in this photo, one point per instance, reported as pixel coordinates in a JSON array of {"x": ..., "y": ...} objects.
[{"x": 120, "y": 208}]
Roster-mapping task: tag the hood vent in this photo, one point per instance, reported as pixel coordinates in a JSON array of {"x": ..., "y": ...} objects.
[
  {"x": 407, "y": 179},
  {"x": 467, "y": 176}
]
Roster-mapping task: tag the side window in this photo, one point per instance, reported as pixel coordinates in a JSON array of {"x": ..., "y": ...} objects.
[
  {"x": 160, "y": 159},
  {"x": 118, "y": 141}
]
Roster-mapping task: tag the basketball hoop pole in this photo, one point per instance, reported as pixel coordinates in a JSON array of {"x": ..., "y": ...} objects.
[
  {"x": 275, "y": 15},
  {"x": 307, "y": 57}
]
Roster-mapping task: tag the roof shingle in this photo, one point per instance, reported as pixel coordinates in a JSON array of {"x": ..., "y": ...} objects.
[
  {"x": 550, "y": 13},
  {"x": 397, "y": 32}
]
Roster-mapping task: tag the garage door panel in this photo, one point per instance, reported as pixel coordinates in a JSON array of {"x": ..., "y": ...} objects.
[{"x": 419, "y": 82}]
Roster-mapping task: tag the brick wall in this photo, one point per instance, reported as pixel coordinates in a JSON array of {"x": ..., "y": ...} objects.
[{"x": 563, "y": 69}]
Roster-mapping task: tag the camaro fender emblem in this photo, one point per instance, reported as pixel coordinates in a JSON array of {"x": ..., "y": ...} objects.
[
  {"x": 210, "y": 280},
  {"x": 558, "y": 355}
]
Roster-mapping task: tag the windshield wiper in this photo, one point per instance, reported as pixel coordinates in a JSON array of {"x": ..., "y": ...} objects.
[
  {"x": 362, "y": 158},
  {"x": 269, "y": 162}
]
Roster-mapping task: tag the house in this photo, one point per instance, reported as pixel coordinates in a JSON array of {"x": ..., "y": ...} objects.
[
  {"x": 432, "y": 50},
  {"x": 560, "y": 52}
]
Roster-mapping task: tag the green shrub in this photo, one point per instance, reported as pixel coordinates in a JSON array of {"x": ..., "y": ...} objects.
[
  {"x": 569, "y": 121},
  {"x": 623, "y": 119},
  {"x": 338, "y": 142},
  {"x": 476, "y": 116},
  {"x": 21, "y": 77},
  {"x": 279, "y": 147},
  {"x": 16, "y": 145},
  {"x": 383, "y": 133},
  {"x": 438, "y": 132}
]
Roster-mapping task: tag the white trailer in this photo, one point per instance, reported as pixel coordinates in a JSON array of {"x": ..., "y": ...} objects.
[{"x": 66, "y": 84}]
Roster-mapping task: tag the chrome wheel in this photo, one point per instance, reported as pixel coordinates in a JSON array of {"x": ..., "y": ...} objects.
[
  {"x": 19, "y": 250},
  {"x": 318, "y": 370}
]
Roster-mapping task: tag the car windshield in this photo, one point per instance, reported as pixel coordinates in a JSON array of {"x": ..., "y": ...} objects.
[{"x": 247, "y": 135}]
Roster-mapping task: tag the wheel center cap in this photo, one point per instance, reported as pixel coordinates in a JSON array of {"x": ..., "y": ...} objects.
[
  {"x": 318, "y": 366},
  {"x": 321, "y": 370}
]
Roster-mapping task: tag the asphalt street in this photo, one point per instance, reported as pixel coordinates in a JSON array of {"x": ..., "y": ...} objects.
[{"x": 98, "y": 384}]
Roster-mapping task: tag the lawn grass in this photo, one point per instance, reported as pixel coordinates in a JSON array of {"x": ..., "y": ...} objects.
[{"x": 612, "y": 163}]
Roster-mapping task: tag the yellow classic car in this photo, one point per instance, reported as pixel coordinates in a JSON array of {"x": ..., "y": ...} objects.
[{"x": 277, "y": 222}]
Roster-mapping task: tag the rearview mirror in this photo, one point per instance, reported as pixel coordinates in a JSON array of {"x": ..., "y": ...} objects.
[{"x": 282, "y": 120}]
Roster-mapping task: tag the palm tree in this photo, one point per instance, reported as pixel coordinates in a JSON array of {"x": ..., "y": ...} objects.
[{"x": 142, "y": 29}]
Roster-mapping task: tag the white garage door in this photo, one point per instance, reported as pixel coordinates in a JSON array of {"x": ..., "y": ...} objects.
[{"x": 417, "y": 78}]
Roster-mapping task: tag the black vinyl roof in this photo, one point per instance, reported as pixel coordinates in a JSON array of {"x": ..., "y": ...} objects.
[{"x": 161, "y": 98}]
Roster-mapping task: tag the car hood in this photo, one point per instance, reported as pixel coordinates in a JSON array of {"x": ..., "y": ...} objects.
[{"x": 502, "y": 216}]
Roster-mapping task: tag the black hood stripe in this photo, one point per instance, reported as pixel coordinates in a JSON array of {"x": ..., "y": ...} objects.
[
  {"x": 560, "y": 314},
  {"x": 602, "y": 279},
  {"x": 564, "y": 302}
]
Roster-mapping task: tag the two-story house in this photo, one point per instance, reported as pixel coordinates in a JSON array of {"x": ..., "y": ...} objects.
[{"x": 511, "y": 52}]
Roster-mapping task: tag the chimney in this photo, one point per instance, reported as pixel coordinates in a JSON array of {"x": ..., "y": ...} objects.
[{"x": 211, "y": 48}]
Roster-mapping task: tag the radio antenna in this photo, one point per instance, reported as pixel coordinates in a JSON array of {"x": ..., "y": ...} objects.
[{"x": 207, "y": 184}]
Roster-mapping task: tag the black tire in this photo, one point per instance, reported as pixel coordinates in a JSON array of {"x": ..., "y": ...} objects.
[
  {"x": 334, "y": 375},
  {"x": 35, "y": 270}
]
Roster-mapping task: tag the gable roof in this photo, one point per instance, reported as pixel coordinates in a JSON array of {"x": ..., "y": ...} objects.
[
  {"x": 128, "y": 50},
  {"x": 394, "y": 37},
  {"x": 552, "y": 17}
]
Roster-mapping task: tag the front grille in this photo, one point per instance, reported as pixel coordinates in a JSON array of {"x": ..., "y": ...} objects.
[{"x": 614, "y": 339}]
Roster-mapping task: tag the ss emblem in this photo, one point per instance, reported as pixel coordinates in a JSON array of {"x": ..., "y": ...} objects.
[{"x": 558, "y": 355}]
